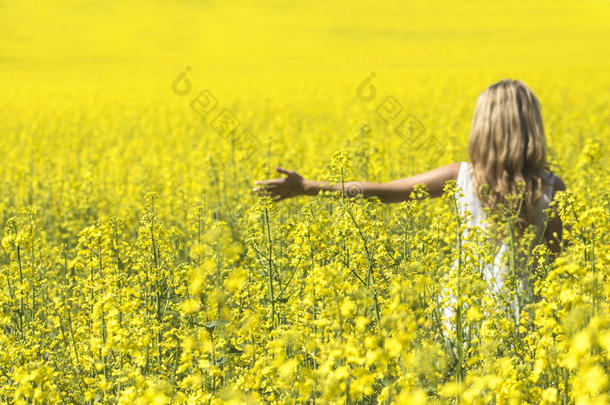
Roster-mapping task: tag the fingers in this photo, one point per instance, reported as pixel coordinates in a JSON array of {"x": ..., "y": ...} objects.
[
  {"x": 275, "y": 196},
  {"x": 272, "y": 187},
  {"x": 261, "y": 192},
  {"x": 269, "y": 182},
  {"x": 266, "y": 189},
  {"x": 284, "y": 171},
  {"x": 272, "y": 191},
  {"x": 262, "y": 186}
]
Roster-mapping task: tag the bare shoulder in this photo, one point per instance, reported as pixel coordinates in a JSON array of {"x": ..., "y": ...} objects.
[
  {"x": 448, "y": 172},
  {"x": 439, "y": 174},
  {"x": 454, "y": 168},
  {"x": 434, "y": 180}
]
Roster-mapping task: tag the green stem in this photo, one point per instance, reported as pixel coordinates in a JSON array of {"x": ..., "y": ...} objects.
[{"x": 270, "y": 268}]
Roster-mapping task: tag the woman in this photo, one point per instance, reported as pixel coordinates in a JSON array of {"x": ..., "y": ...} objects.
[
  {"x": 507, "y": 146},
  {"x": 507, "y": 151}
]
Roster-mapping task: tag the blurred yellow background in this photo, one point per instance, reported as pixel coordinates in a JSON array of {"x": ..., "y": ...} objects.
[
  {"x": 126, "y": 40},
  {"x": 290, "y": 71}
]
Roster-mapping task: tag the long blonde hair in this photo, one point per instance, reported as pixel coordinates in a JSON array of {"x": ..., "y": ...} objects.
[{"x": 507, "y": 146}]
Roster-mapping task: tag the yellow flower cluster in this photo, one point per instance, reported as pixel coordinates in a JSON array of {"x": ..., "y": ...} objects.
[{"x": 189, "y": 300}]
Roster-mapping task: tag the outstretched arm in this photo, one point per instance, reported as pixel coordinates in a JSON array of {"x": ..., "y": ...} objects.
[{"x": 394, "y": 191}]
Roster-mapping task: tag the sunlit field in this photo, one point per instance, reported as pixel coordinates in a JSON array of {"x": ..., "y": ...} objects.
[{"x": 137, "y": 265}]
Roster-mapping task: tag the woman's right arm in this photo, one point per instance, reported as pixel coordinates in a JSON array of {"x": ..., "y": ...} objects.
[
  {"x": 394, "y": 191},
  {"x": 554, "y": 228}
]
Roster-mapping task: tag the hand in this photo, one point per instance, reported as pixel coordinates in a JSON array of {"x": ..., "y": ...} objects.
[{"x": 290, "y": 186}]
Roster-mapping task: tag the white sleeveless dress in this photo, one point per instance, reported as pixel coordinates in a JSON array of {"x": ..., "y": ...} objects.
[{"x": 470, "y": 203}]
